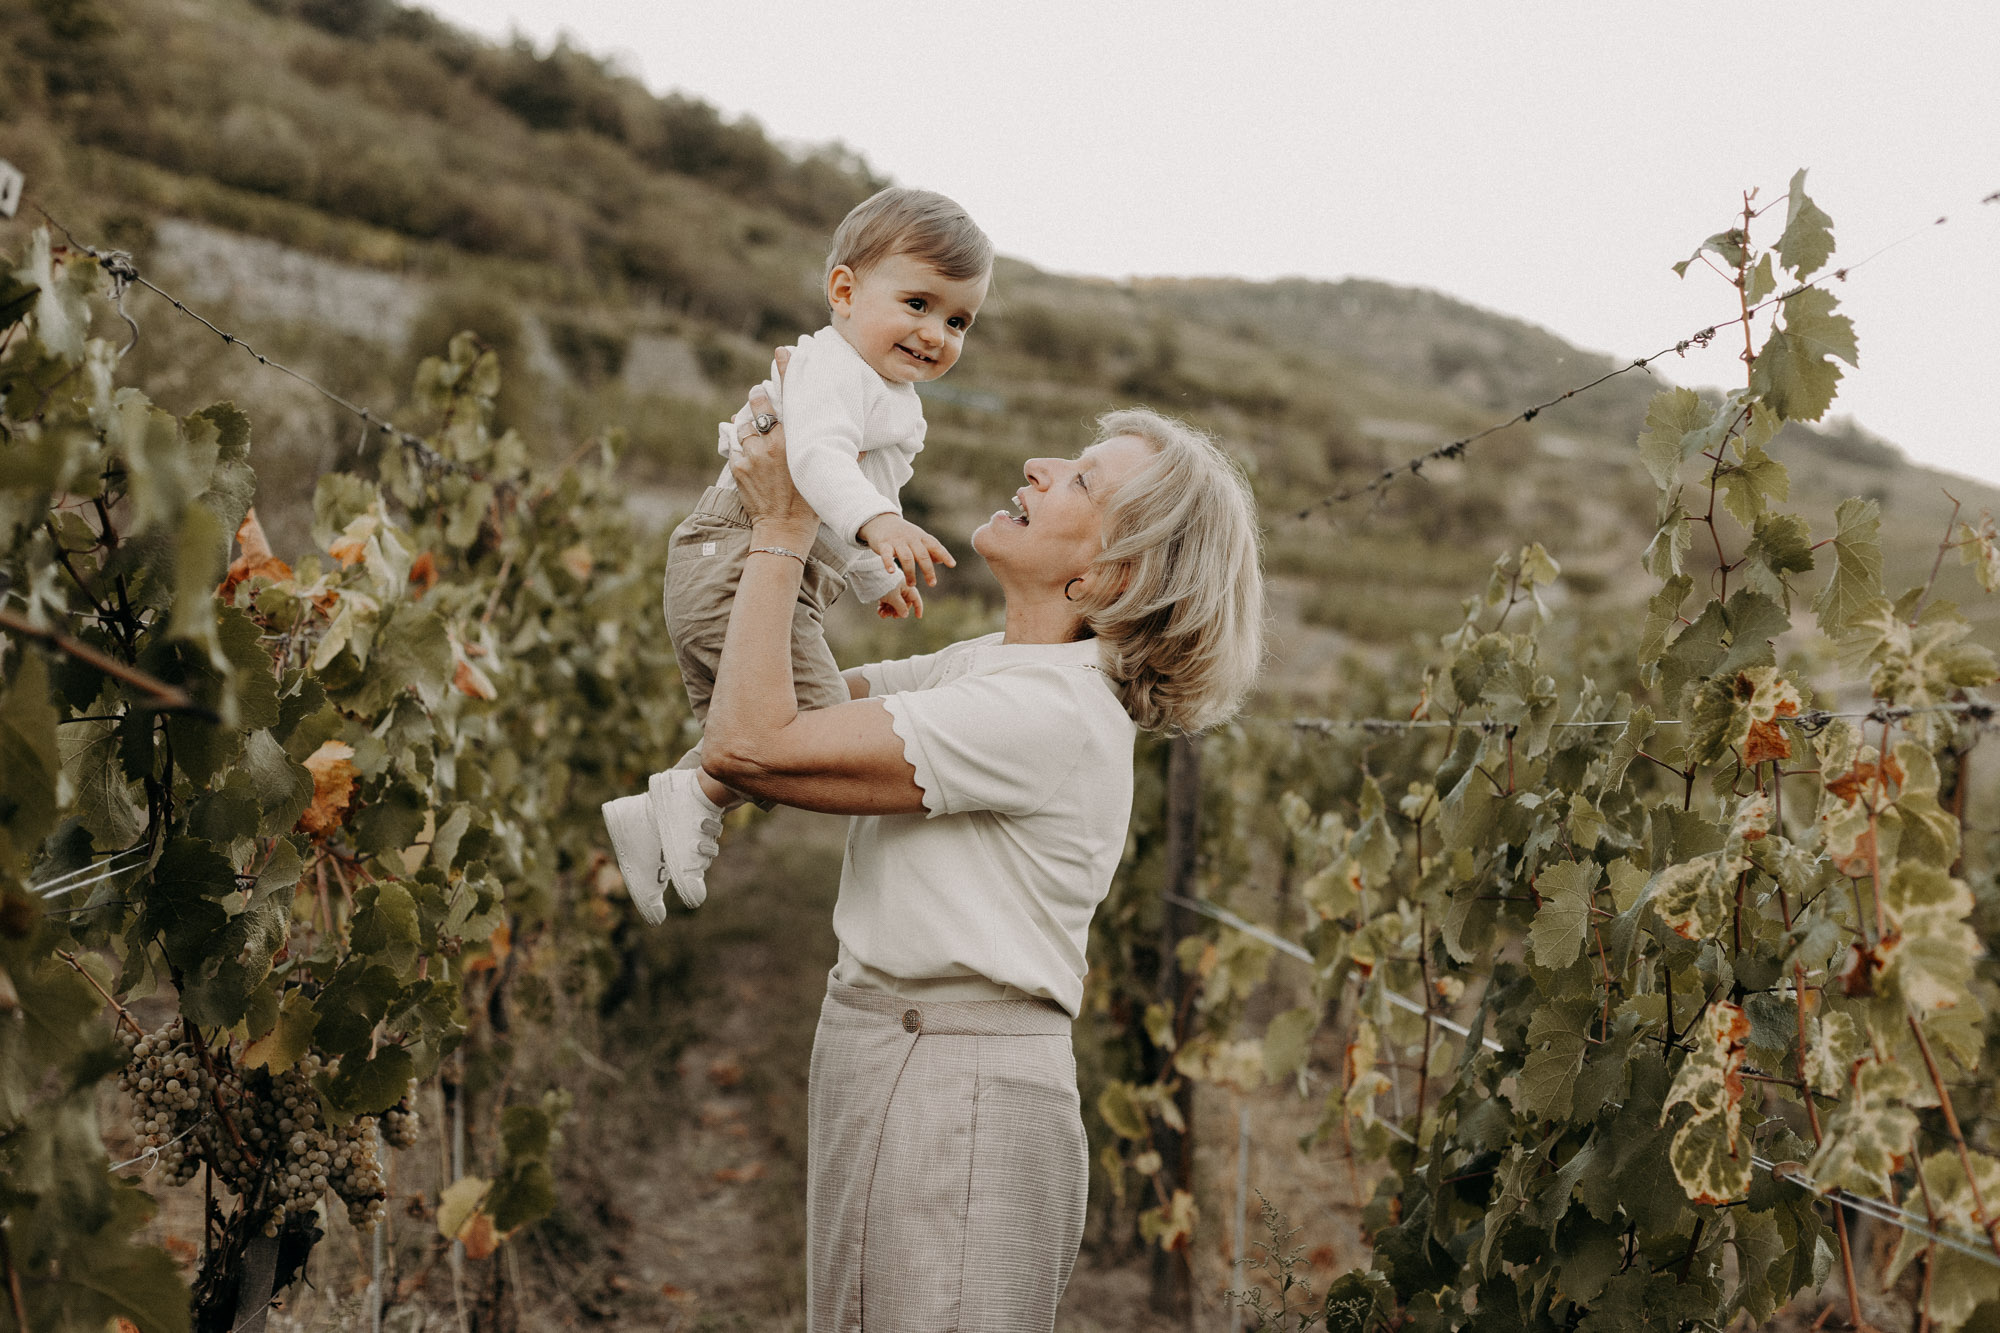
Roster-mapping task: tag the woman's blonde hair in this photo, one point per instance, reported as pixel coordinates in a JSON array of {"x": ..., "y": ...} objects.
[{"x": 1178, "y": 610}]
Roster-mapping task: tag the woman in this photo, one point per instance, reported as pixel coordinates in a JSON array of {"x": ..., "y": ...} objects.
[{"x": 992, "y": 785}]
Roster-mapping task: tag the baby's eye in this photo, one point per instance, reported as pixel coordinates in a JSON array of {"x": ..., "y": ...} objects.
[
  {"x": 959, "y": 322},
  {"x": 915, "y": 303}
]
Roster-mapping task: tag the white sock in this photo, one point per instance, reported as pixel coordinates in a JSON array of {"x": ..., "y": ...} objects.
[{"x": 706, "y": 804}]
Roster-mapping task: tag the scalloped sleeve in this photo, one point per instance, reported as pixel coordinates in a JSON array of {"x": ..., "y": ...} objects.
[{"x": 1003, "y": 742}]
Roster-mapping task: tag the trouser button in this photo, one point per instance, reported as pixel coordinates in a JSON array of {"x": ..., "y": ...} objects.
[{"x": 912, "y": 1020}]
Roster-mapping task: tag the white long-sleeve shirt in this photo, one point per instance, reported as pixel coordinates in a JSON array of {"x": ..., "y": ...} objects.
[{"x": 851, "y": 438}]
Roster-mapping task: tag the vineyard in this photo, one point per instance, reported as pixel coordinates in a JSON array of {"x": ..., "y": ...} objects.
[{"x": 1637, "y": 977}]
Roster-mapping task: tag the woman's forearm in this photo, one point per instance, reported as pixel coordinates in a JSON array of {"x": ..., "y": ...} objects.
[{"x": 754, "y": 696}]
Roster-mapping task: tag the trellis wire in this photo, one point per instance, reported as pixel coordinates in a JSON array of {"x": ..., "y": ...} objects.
[
  {"x": 125, "y": 273},
  {"x": 1879, "y": 1209},
  {"x": 1414, "y": 467},
  {"x": 1978, "y": 712},
  {"x": 69, "y": 883},
  {"x": 155, "y": 1152}
]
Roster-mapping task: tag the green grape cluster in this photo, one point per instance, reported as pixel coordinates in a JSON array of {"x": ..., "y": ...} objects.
[
  {"x": 357, "y": 1173},
  {"x": 169, "y": 1087},
  {"x": 401, "y": 1121},
  {"x": 281, "y": 1122},
  {"x": 271, "y": 1144}
]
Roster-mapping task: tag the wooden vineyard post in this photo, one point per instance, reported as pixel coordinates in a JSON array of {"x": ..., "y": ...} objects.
[{"x": 1173, "y": 1273}]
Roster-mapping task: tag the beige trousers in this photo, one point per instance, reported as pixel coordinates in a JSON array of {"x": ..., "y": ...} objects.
[
  {"x": 704, "y": 563},
  {"x": 946, "y": 1168}
]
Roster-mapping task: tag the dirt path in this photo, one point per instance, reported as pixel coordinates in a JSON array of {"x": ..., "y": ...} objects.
[{"x": 692, "y": 1175}]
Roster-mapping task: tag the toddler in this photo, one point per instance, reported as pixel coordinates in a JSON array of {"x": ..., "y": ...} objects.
[{"x": 904, "y": 279}]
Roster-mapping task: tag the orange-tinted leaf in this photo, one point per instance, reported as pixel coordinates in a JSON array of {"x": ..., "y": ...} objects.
[
  {"x": 725, "y": 1071},
  {"x": 256, "y": 558},
  {"x": 469, "y": 680},
  {"x": 578, "y": 560},
  {"x": 423, "y": 574},
  {"x": 1850, "y": 785},
  {"x": 333, "y": 774},
  {"x": 1767, "y": 741},
  {"x": 733, "y": 1175},
  {"x": 479, "y": 1237},
  {"x": 498, "y": 945}
]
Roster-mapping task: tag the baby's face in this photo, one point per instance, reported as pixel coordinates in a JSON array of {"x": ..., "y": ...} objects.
[{"x": 906, "y": 319}]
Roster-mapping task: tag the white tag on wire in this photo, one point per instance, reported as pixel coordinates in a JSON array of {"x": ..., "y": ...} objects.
[{"x": 12, "y": 183}]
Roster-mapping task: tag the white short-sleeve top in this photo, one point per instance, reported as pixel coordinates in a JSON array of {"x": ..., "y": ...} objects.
[{"x": 1024, "y": 756}]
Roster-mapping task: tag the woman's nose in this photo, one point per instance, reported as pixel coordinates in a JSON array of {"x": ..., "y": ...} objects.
[{"x": 1037, "y": 470}]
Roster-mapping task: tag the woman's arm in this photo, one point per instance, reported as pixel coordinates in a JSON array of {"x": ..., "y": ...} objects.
[{"x": 842, "y": 760}]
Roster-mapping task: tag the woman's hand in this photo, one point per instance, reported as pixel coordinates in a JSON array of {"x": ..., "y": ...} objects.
[{"x": 778, "y": 513}]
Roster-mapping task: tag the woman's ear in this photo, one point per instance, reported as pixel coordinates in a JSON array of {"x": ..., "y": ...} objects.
[{"x": 840, "y": 285}]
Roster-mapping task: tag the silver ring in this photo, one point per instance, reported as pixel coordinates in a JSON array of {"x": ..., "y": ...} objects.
[{"x": 763, "y": 422}]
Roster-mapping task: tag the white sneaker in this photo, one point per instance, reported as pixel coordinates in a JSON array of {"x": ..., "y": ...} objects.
[
  {"x": 636, "y": 842},
  {"x": 686, "y": 824}
]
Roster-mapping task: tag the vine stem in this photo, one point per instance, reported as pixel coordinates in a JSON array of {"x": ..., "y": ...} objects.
[
  {"x": 1944, "y": 544},
  {"x": 123, "y": 1016},
  {"x": 1987, "y": 1222},
  {"x": 1430, "y": 1028},
  {"x": 215, "y": 1094},
  {"x": 1930, "y": 1252},
  {"x": 1854, "y": 1315},
  {"x": 170, "y": 698},
  {"x": 13, "y": 1282}
]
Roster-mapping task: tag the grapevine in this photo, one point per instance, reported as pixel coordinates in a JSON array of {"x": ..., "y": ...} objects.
[
  {"x": 305, "y": 793},
  {"x": 1714, "y": 946}
]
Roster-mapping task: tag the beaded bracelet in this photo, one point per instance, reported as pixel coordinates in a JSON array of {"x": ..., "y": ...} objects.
[{"x": 777, "y": 550}]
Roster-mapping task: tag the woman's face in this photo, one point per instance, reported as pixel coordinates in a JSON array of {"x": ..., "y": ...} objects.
[{"x": 1060, "y": 527}]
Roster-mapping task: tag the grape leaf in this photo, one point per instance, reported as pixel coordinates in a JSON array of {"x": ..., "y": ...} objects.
[
  {"x": 1644, "y": 1302},
  {"x": 1711, "y": 1157},
  {"x": 1780, "y": 546},
  {"x": 1753, "y": 484},
  {"x": 1869, "y": 1133},
  {"x": 1556, "y": 936},
  {"x": 1120, "y": 1111},
  {"x": 371, "y": 1084},
  {"x": 1794, "y": 373},
  {"x": 1288, "y": 1041},
  {"x": 1555, "y": 1057},
  {"x": 1754, "y": 620},
  {"x": 1856, "y": 581},
  {"x": 1807, "y": 240},
  {"x": 1673, "y": 535},
  {"x": 1638, "y": 727},
  {"x": 287, "y": 1042},
  {"x": 1958, "y": 1282},
  {"x": 1671, "y": 418}
]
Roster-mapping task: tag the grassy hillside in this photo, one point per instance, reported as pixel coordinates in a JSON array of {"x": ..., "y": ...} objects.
[{"x": 350, "y": 182}]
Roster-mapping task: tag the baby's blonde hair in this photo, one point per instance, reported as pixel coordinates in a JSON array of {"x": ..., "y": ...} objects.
[
  {"x": 1179, "y": 608},
  {"x": 920, "y": 223}
]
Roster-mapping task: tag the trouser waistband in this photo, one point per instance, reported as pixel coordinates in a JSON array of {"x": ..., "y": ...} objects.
[{"x": 960, "y": 1018}]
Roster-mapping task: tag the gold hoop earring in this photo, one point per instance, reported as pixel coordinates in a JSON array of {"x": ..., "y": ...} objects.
[{"x": 1071, "y": 584}]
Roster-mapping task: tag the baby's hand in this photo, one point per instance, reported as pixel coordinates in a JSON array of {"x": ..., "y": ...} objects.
[
  {"x": 901, "y": 542},
  {"x": 905, "y": 601}
]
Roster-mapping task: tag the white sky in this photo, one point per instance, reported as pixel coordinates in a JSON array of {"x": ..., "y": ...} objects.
[{"x": 1545, "y": 160}]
